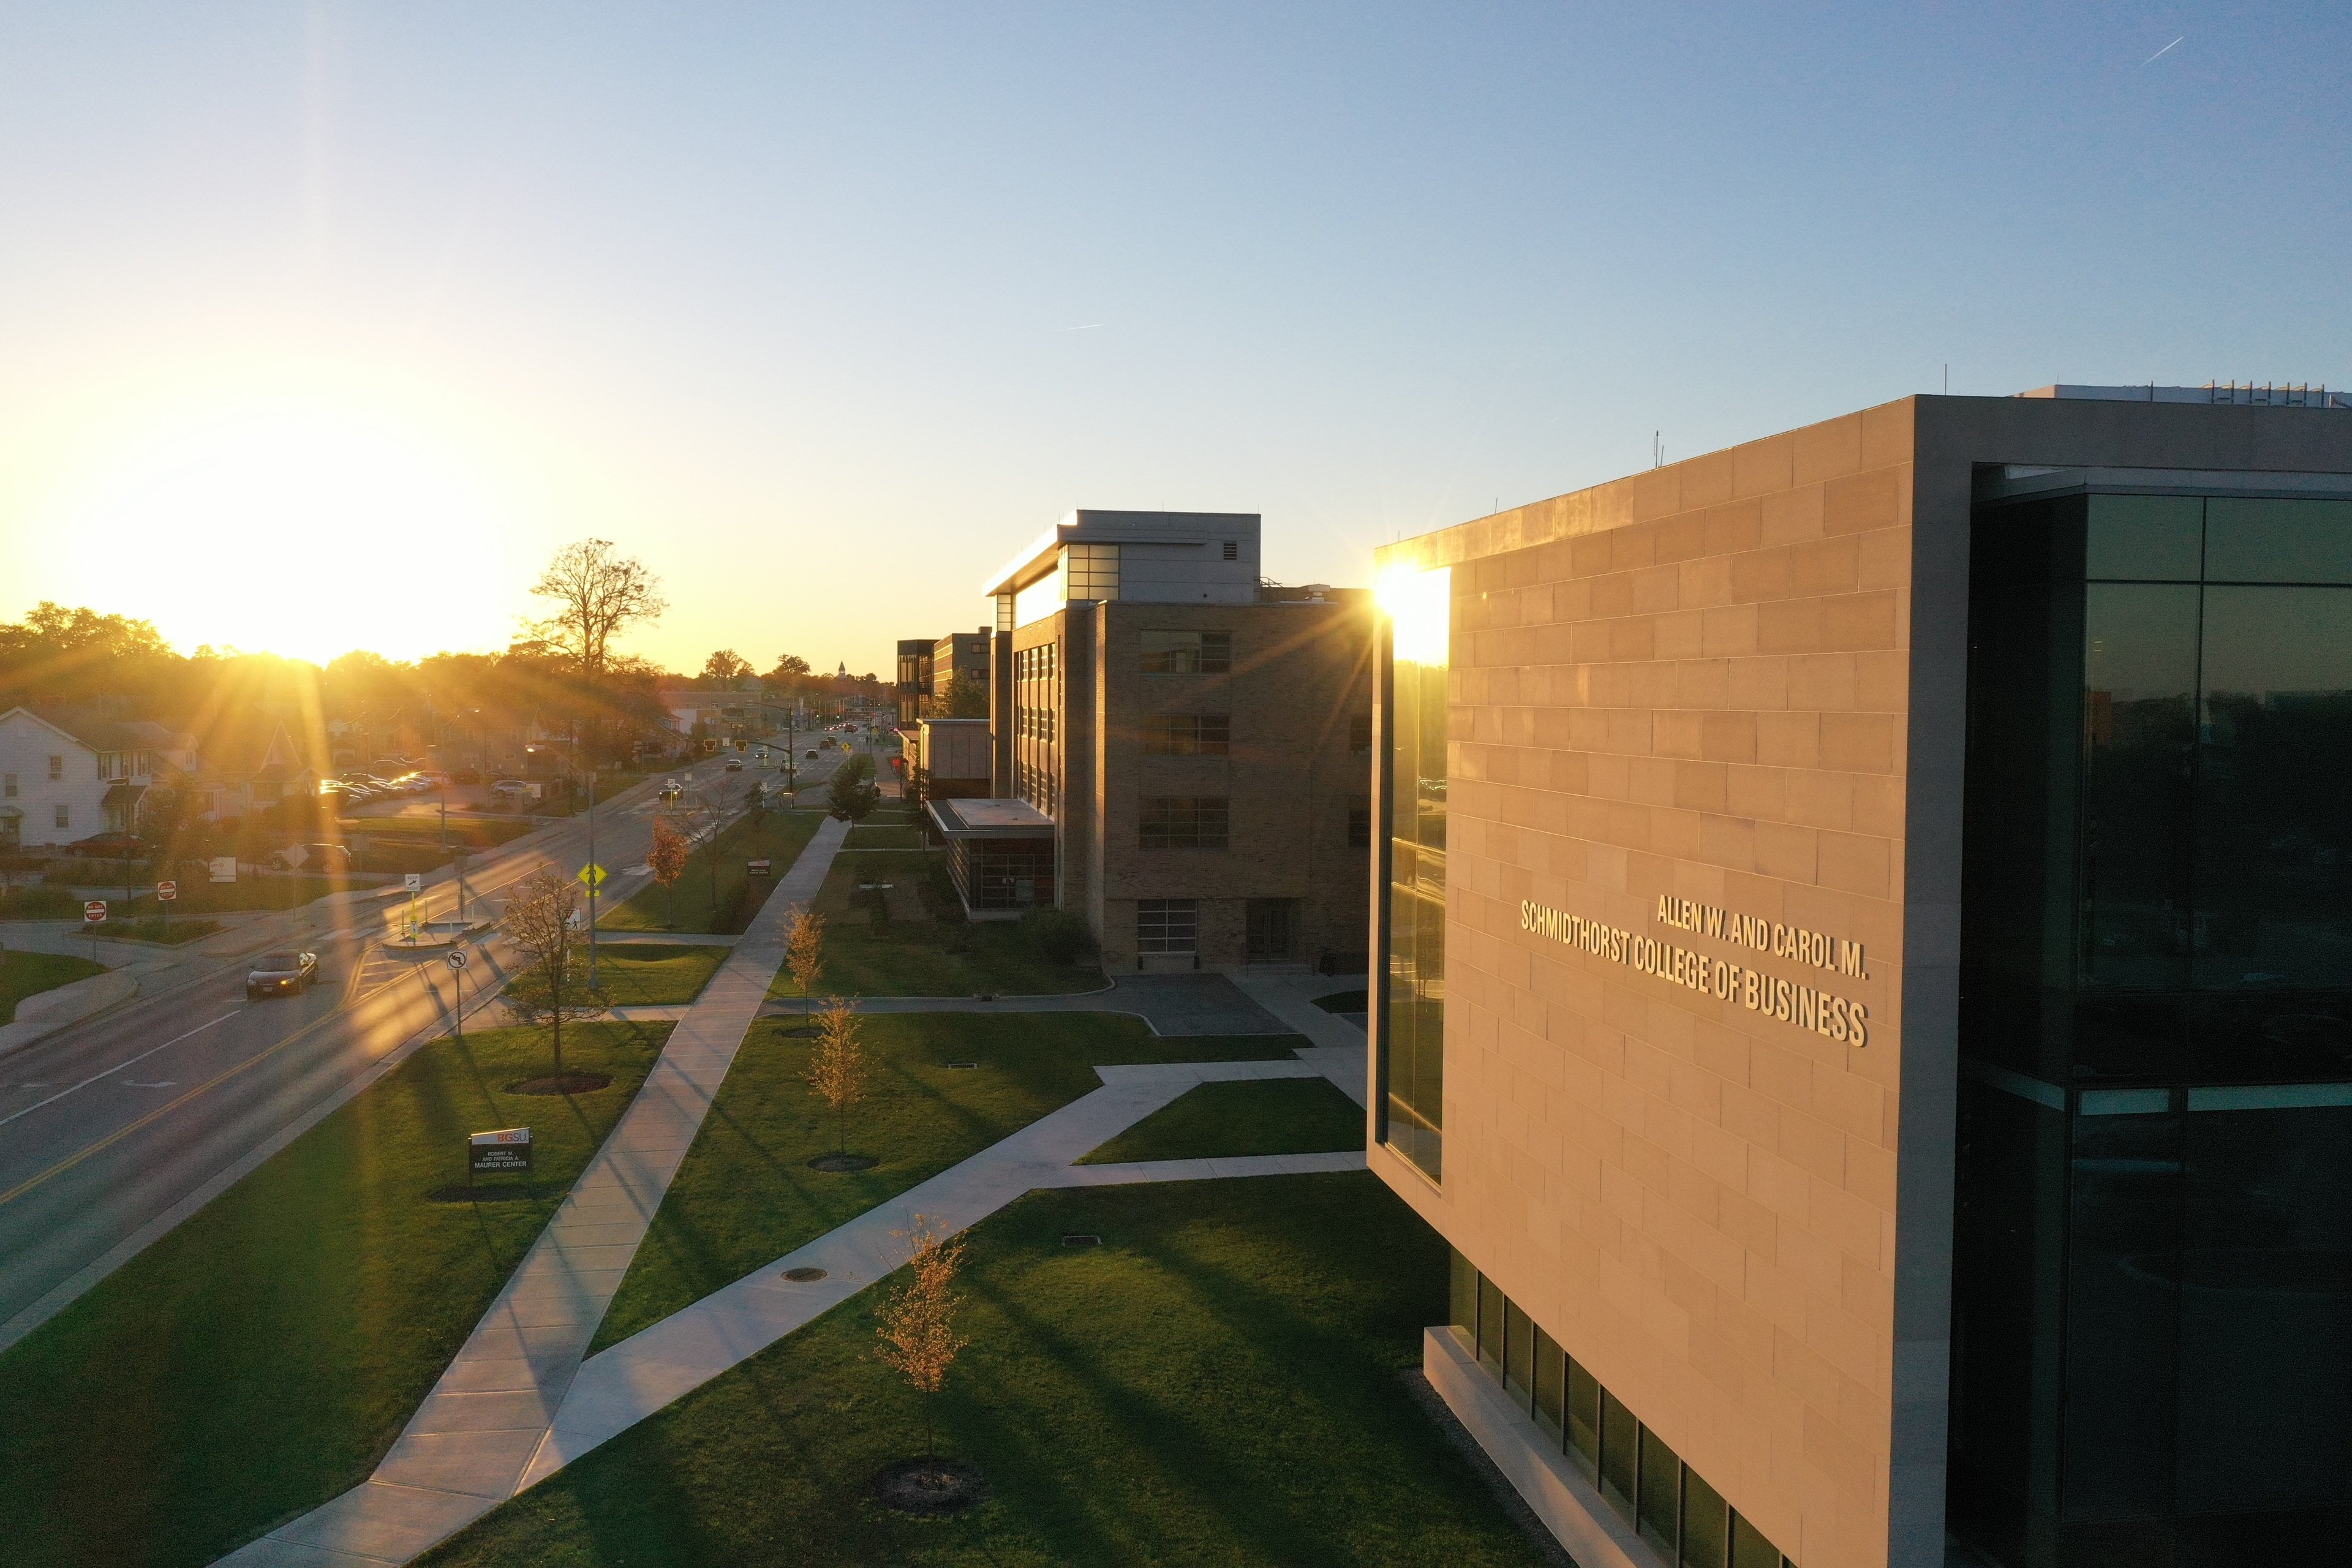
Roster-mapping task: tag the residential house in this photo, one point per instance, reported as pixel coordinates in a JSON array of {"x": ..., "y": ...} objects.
[{"x": 67, "y": 774}]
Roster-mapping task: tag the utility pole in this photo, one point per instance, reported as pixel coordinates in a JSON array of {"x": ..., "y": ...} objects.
[{"x": 593, "y": 877}]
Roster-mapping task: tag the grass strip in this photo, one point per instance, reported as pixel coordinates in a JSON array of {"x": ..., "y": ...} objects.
[
  {"x": 1229, "y": 1120},
  {"x": 655, "y": 973},
  {"x": 717, "y": 893},
  {"x": 261, "y": 1358},
  {"x": 746, "y": 1196},
  {"x": 24, "y": 975},
  {"x": 870, "y": 834},
  {"x": 867, "y": 953},
  {"x": 1219, "y": 1383}
]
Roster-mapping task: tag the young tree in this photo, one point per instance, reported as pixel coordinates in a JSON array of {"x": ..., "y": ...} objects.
[
  {"x": 666, "y": 860},
  {"x": 838, "y": 1070},
  {"x": 538, "y": 918},
  {"x": 804, "y": 950},
  {"x": 853, "y": 794},
  {"x": 918, "y": 1323}
]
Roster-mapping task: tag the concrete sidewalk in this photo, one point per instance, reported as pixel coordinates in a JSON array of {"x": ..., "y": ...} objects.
[
  {"x": 656, "y": 1366},
  {"x": 467, "y": 1445}
]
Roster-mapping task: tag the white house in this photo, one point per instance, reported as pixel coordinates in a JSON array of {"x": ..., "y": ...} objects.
[{"x": 68, "y": 773}]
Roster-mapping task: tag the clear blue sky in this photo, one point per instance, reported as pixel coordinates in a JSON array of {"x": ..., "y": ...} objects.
[{"x": 825, "y": 311}]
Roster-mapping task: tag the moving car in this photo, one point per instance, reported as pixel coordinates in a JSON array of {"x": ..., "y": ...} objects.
[
  {"x": 734, "y": 764},
  {"x": 280, "y": 973}
]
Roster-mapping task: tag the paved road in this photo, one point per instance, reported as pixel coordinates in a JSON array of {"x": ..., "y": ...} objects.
[{"x": 108, "y": 1124}]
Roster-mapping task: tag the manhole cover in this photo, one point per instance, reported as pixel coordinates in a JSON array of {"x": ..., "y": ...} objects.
[
  {"x": 1081, "y": 1238},
  {"x": 802, "y": 1276}
]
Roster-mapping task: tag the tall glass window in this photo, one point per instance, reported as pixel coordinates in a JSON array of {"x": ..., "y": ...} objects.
[
  {"x": 1412, "y": 1034},
  {"x": 2152, "y": 1324}
]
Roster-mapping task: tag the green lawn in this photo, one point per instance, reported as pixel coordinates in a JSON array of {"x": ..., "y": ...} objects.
[
  {"x": 868, "y": 954},
  {"x": 261, "y": 1358},
  {"x": 870, "y": 834},
  {"x": 1219, "y": 1383},
  {"x": 1226, "y": 1121},
  {"x": 24, "y": 975},
  {"x": 248, "y": 892},
  {"x": 466, "y": 832},
  {"x": 157, "y": 928},
  {"x": 745, "y": 1194},
  {"x": 652, "y": 973},
  {"x": 779, "y": 840}
]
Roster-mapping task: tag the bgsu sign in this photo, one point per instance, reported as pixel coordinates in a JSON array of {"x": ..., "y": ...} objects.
[{"x": 507, "y": 1149}]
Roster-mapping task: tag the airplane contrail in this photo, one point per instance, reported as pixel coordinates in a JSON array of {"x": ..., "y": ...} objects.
[{"x": 2162, "y": 52}]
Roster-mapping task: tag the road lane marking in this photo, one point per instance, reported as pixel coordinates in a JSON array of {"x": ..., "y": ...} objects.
[{"x": 117, "y": 1068}]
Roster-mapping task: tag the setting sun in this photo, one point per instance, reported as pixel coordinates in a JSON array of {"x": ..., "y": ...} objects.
[{"x": 297, "y": 519}]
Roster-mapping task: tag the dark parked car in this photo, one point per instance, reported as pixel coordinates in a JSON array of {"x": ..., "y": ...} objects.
[
  {"x": 108, "y": 847},
  {"x": 278, "y": 973}
]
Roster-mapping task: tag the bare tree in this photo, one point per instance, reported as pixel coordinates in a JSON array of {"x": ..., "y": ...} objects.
[
  {"x": 666, "y": 860},
  {"x": 839, "y": 1069},
  {"x": 804, "y": 950},
  {"x": 918, "y": 1323},
  {"x": 598, "y": 595},
  {"x": 538, "y": 918}
]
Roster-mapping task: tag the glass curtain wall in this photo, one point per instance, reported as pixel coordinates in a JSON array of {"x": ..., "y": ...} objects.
[
  {"x": 1412, "y": 1034},
  {"x": 2153, "y": 1301}
]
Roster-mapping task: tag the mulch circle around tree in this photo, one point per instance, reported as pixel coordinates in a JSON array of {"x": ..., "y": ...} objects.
[
  {"x": 565, "y": 1083},
  {"x": 804, "y": 1275},
  {"x": 930, "y": 1487},
  {"x": 843, "y": 1163}
]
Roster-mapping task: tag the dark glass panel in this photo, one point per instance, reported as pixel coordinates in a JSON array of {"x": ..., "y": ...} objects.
[
  {"x": 1490, "y": 1326},
  {"x": 1518, "y": 1355},
  {"x": 2265, "y": 1286},
  {"x": 1551, "y": 1376},
  {"x": 1463, "y": 1297},
  {"x": 1749, "y": 1549},
  {"x": 2250, "y": 1038},
  {"x": 1706, "y": 1524},
  {"x": 2278, "y": 541},
  {"x": 1662, "y": 1496},
  {"x": 2145, "y": 539},
  {"x": 2274, "y": 836},
  {"x": 2009, "y": 1251},
  {"x": 1583, "y": 1420},
  {"x": 1414, "y": 1033},
  {"x": 2018, "y": 938},
  {"x": 1620, "y": 1454},
  {"x": 2121, "y": 1311},
  {"x": 2140, "y": 681},
  {"x": 2140, "y": 1038}
]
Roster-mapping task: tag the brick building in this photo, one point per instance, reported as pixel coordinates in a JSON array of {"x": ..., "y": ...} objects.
[{"x": 1198, "y": 744}]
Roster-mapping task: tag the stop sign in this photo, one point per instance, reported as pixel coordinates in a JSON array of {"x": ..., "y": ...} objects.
[{"x": 94, "y": 911}]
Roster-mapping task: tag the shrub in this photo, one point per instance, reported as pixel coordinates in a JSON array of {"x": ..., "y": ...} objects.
[
  {"x": 43, "y": 903},
  {"x": 1058, "y": 935}
]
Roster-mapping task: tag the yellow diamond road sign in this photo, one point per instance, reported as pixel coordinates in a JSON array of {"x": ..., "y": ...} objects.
[{"x": 592, "y": 874}]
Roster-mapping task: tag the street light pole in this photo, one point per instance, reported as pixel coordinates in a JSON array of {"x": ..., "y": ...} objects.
[{"x": 593, "y": 877}]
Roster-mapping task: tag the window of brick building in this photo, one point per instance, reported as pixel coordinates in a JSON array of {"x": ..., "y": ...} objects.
[
  {"x": 1184, "y": 821},
  {"x": 1167, "y": 925},
  {"x": 1187, "y": 653},
  {"x": 1187, "y": 734}
]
